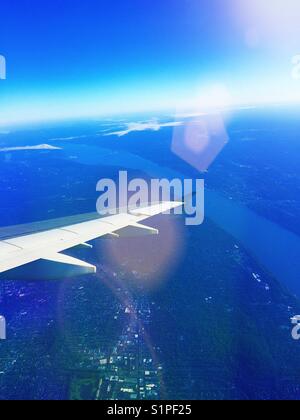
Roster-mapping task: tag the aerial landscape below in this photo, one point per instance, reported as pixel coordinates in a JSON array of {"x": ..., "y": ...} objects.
[{"x": 112, "y": 289}]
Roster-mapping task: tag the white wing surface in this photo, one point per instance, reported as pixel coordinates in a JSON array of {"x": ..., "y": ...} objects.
[{"x": 39, "y": 255}]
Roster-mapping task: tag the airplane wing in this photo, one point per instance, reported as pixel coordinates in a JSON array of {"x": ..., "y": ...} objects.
[{"x": 39, "y": 255}]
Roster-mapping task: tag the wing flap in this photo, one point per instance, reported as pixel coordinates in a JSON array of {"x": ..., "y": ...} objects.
[
  {"x": 135, "y": 230},
  {"x": 66, "y": 259},
  {"x": 52, "y": 267}
]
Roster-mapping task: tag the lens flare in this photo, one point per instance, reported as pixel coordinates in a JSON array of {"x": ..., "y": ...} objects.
[
  {"x": 275, "y": 23},
  {"x": 200, "y": 140},
  {"x": 149, "y": 261}
]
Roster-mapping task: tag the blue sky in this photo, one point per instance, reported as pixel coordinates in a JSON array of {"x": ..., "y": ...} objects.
[{"x": 85, "y": 58}]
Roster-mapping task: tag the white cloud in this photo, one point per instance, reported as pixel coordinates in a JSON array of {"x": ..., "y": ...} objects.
[
  {"x": 38, "y": 147},
  {"x": 152, "y": 125},
  {"x": 68, "y": 138}
]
